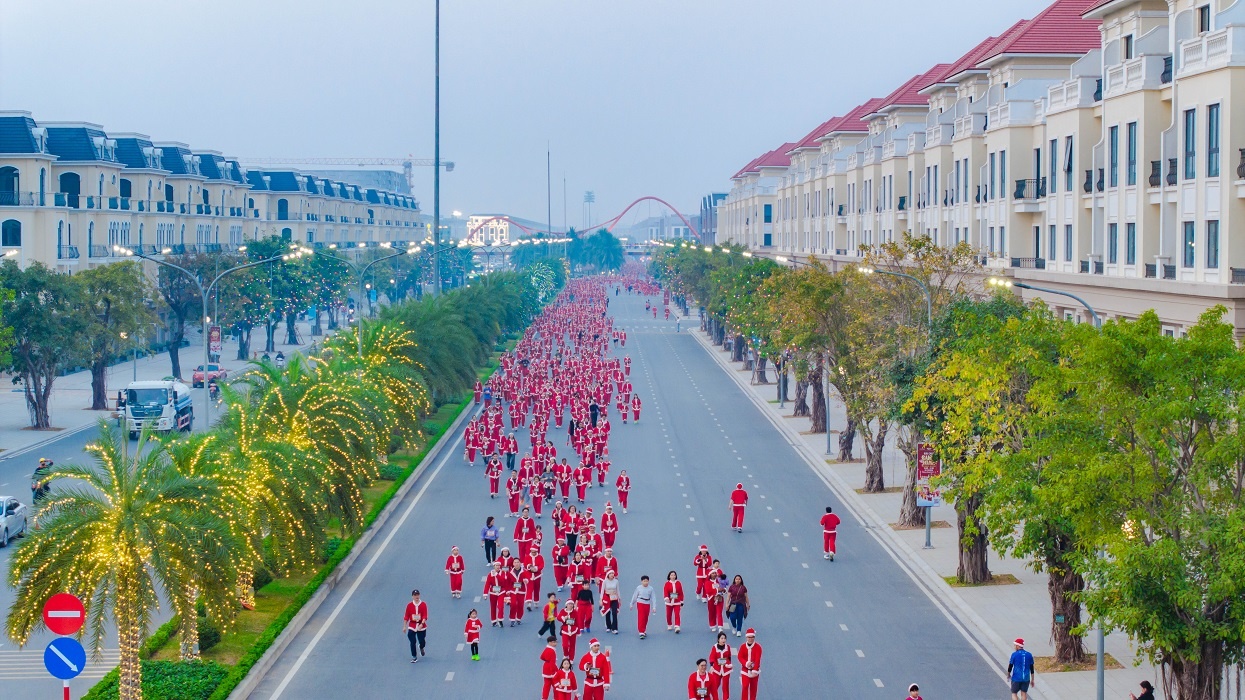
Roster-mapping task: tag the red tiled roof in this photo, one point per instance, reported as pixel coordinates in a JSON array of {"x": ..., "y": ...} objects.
[
  {"x": 776, "y": 158},
  {"x": 853, "y": 121},
  {"x": 1059, "y": 29},
  {"x": 1097, "y": 5},
  {"x": 810, "y": 140},
  {"x": 909, "y": 92}
]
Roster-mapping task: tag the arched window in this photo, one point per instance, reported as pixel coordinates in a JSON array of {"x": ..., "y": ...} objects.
[
  {"x": 287, "y": 234},
  {"x": 206, "y": 195},
  {"x": 43, "y": 176},
  {"x": 9, "y": 186},
  {"x": 126, "y": 188},
  {"x": 168, "y": 193},
  {"x": 11, "y": 233},
  {"x": 71, "y": 187},
  {"x": 283, "y": 210}
]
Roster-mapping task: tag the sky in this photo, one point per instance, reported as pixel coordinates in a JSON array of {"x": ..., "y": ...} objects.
[{"x": 665, "y": 98}]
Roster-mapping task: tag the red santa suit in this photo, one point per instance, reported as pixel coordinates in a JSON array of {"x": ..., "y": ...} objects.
[
  {"x": 493, "y": 472},
  {"x": 597, "y": 671},
  {"x": 700, "y": 686},
  {"x": 749, "y": 658},
  {"x": 702, "y": 561},
  {"x": 496, "y": 583},
  {"x": 623, "y": 485},
  {"x": 635, "y": 408},
  {"x": 605, "y": 564},
  {"x": 561, "y": 562},
  {"x": 583, "y": 477},
  {"x": 609, "y": 526},
  {"x": 739, "y": 499},
  {"x": 536, "y": 572},
  {"x": 524, "y": 533},
  {"x": 517, "y": 596},
  {"x": 569, "y": 629},
  {"x": 454, "y": 569},
  {"x": 829, "y": 534},
  {"x": 565, "y": 685},
  {"x": 716, "y": 603},
  {"x": 537, "y": 495},
  {"x": 478, "y": 392},
  {"x": 672, "y": 595},
  {"x": 514, "y": 493},
  {"x": 472, "y": 630},
  {"x": 548, "y": 670},
  {"x": 720, "y": 669}
]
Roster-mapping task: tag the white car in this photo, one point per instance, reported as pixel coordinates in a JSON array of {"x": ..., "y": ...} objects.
[{"x": 14, "y": 519}]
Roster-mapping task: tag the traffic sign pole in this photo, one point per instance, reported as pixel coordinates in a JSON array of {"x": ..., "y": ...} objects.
[{"x": 66, "y": 690}]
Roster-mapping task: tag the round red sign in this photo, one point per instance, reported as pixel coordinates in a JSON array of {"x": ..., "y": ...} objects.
[{"x": 64, "y": 614}]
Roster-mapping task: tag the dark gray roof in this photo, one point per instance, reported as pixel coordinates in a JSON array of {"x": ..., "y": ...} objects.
[
  {"x": 17, "y": 135},
  {"x": 174, "y": 159},
  {"x": 211, "y": 166},
  {"x": 233, "y": 172},
  {"x": 130, "y": 152},
  {"x": 283, "y": 181},
  {"x": 77, "y": 143},
  {"x": 255, "y": 178}
]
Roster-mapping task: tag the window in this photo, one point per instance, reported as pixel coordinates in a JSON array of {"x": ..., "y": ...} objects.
[
  {"x": 1128, "y": 47},
  {"x": 990, "y": 241},
  {"x": 1203, "y": 18},
  {"x": 769, "y": 213},
  {"x": 1067, "y": 163},
  {"x": 1003, "y": 174},
  {"x": 1132, "y": 154},
  {"x": 1212, "y": 245},
  {"x": 1189, "y": 244},
  {"x": 1054, "y": 166},
  {"x": 1113, "y": 243},
  {"x": 1113, "y": 156},
  {"x": 1051, "y": 243},
  {"x": 11, "y": 233},
  {"x": 993, "y": 171},
  {"x": 1190, "y": 144},
  {"x": 1067, "y": 243},
  {"x": 1130, "y": 243},
  {"x": 1212, "y": 141},
  {"x": 1002, "y": 239}
]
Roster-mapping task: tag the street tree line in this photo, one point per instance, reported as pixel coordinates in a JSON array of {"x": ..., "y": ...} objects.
[
  {"x": 1111, "y": 459},
  {"x": 597, "y": 252},
  {"x": 193, "y": 519},
  {"x": 52, "y": 323}
]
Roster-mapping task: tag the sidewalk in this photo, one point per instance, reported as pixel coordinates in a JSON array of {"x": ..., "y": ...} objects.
[
  {"x": 71, "y": 394},
  {"x": 1000, "y": 612}
]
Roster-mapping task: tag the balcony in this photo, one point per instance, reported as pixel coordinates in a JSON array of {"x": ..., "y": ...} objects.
[
  {"x": 1084, "y": 267},
  {"x": 1238, "y": 275},
  {"x": 100, "y": 251},
  {"x": 1166, "y": 76},
  {"x": 1156, "y": 173},
  {"x": 1068, "y": 95},
  {"x": 67, "y": 252},
  {"x": 1169, "y": 272},
  {"x": 1152, "y": 271},
  {"x": 1030, "y": 189},
  {"x": 939, "y": 135},
  {"x": 1212, "y": 50},
  {"x": 17, "y": 199},
  {"x": 1240, "y": 166},
  {"x": 1102, "y": 179},
  {"x": 1029, "y": 263},
  {"x": 972, "y": 124},
  {"x": 1141, "y": 73},
  {"x": 1171, "y": 172},
  {"x": 903, "y": 203}
]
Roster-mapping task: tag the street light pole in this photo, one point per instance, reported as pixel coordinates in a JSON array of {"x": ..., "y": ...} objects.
[
  {"x": 1004, "y": 282},
  {"x": 204, "y": 294},
  {"x": 436, "y": 160},
  {"x": 361, "y": 273}
]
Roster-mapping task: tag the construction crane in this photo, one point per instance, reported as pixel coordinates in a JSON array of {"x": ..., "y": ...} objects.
[{"x": 408, "y": 164}]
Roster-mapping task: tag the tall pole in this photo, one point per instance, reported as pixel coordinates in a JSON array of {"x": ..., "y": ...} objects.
[
  {"x": 436, "y": 152},
  {"x": 549, "y": 188},
  {"x": 563, "y": 205}
]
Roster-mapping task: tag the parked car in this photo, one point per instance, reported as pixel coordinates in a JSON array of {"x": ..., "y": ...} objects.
[
  {"x": 214, "y": 372},
  {"x": 14, "y": 519}
]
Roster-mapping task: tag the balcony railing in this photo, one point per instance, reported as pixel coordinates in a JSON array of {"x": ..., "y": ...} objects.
[
  {"x": 1029, "y": 263},
  {"x": 979, "y": 194},
  {"x": 67, "y": 252},
  {"x": 903, "y": 203},
  {"x": 842, "y": 211},
  {"x": 1166, "y": 76},
  {"x": 1211, "y": 50},
  {"x": 1240, "y": 166},
  {"x": 1088, "y": 187},
  {"x": 1084, "y": 267},
  {"x": 1238, "y": 275},
  {"x": 840, "y": 251},
  {"x": 1156, "y": 173},
  {"x": 1098, "y": 267},
  {"x": 100, "y": 251},
  {"x": 1034, "y": 188},
  {"x": 1152, "y": 270},
  {"x": 1169, "y": 272},
  {"x": 1098, "y": 90},
  {"x": 1102, "y": 179},
  {"x": 17, "y": 199},
  {"x": 1171, "y": 171}
]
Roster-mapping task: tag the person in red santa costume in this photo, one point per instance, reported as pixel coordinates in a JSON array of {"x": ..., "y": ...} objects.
[
  {"x": 569, "y": 628},
  {"x": 524, "y": 532},
  {"x": 454, "y": 568},
  {"x": 720, "y": 667},
  {"x": 549, "y": 666},
  {"x": 561, "y": 556},
  {"x": 635, "y": 408},
  {"x": 829, "y": 533},
  {"x": 739, "y": 499},
  {"x": 700, "y": 683},
  {"x": 496, "y": 583},
  {"x": 493, "y": 471},
  {"x": 514, "y": 494},
  {"x": 748, "y": 656},
  {"x": 565, "y": 684},
  {"x": 562, "y": 473},
  {"x": 597, "y": 671},
  {"x": 609, "y": 526},
  {"x": 702, "y": 562},
  {"x": 623, "y": 486},
  {"x": 672, "y": 595},
  {"x": 583, "y": 478},
  {"x": 606, "y": 562},
  {"x": 535, "y": 565},
  {"x": 716, "y": 595},
  {"x": 517, "y": 596}
]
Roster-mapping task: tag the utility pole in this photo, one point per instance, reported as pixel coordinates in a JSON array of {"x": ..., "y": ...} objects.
[
  {"x": 436, "y": 153},
  {"x": 549, "y": 188},
  {"x": 564, "y": 229}
]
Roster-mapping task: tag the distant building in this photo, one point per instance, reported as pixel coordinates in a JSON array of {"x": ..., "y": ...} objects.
[
  {"x": 502, "y": 229},
  {"x": 708, "y": 223},
  {"x": 661, "y": 228},
  {"x": 375, "y": 179}
]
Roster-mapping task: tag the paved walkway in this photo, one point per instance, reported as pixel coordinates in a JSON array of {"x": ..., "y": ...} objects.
[
  {"x": 1001, "y": 612},
  {"x": 71, "y": 394}
]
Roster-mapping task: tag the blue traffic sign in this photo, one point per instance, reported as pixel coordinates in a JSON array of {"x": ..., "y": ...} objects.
[{"x": 64, "y": 658}]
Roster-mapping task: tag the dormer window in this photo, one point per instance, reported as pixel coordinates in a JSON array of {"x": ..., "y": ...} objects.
[
  {"x": 40, "y": 135},
  {"x": 1203, "y": 19}
]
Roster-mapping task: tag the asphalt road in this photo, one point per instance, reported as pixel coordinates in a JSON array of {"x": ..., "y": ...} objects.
[{"x": 858, "y": 627}]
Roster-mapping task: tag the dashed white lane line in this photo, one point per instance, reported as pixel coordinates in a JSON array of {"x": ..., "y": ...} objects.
[
  {"x": 878, "y": 682},
  {"x": 816, "y": 584},
  {"x": 860, "y": 653},
  {"x": 695, "y": 533},
  {"x": 690, "y": 519},
  {"x": 477, "y": 599},
  {"x": 777, "y": 520},
  {"x": 460, "y": 647},
  {"x": 449, "y": 676},
  {"x": 687, "y": 505},
  {"x": 804, "y": 564},
  {"x": 786, "y": 534},
  {"x": 795, "y": 549},
  {"x": 829, "y": 604},
  {"x": 769, "y": 507}
]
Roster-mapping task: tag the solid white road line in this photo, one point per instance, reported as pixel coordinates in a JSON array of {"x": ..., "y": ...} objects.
[{"x": 302, "y": 658}]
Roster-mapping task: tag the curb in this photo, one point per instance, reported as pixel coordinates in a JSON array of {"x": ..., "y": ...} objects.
[
  {"x": 58, "y": 436},
  {"x": 987, "y": 642},
  {"x": 260, "y": 670}
]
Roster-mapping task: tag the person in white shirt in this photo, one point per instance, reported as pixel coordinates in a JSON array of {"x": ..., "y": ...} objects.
[{"x": 643, "y": 596}]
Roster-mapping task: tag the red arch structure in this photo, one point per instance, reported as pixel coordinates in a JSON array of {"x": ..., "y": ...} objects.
[{"x": 608, "y": 224}]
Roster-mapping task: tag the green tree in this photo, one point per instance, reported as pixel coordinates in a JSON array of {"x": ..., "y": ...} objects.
[
  {"x": 44, "y": 309},
  {"x": 181, "y": 297},
  {"x": 6, "y": 329},
  {"x": 120, "y": 534},
  {"x": 115, "y": 301},
  {"x": 290, "y": 288},
  {"x": 601, "y": 251}
]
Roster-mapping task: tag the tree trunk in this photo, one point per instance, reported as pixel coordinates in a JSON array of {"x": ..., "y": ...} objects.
[
  {"x": 737, "y": 349},
  {"x": 875, "y": 475},
  {"x": 270, "y": 332},
  {"x": 315, "y": 324},
  {"x": 910, "y": 515},
  {"x": 244, "y": 341},
  {"x": 1063, "y": 584},
  {"x": 129, "y": 636},
  {"x": 818, "y": 401},
  {"x": 761, "y": 379},
  {"x": 176, "y": 335},
  {"x": 332, "y": 318},
  {"x": 801, "y": 398},
  {"x": 291, "y": 331},
  {"x": 188, "y": 626},
  {"x": 38, "y": 391},
  {"x": 246, "y": 589},
  {"x": 1201, "y": 679},
  {"x": 847, "y": 441},
  {"x": 974, "y": 566},
  {"x": 99, "y": 385}
]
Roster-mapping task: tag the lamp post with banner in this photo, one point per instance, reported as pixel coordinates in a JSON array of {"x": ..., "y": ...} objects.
[{"x": 928, "y": 496}]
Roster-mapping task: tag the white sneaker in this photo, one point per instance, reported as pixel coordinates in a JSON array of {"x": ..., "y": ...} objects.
[
  {"x": 669, "y": 627},
  {"x": 825, "y": 556}
]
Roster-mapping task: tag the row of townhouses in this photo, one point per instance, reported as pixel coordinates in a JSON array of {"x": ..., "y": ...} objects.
[
  {"x": 1097, "y": 148},
  {"x": 70, "y": 193}
]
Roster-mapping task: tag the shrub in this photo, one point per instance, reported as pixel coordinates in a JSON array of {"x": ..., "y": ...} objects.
[
  {"x": 168, "y": 680},
  {"x": 330, "y": 547},
  {"x": 261, "y": 578},
  {"x": 391, "y": 472},
  {"x": 209, "y": 635}
]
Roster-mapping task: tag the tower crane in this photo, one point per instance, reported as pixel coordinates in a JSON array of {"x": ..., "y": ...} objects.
[{"x": 408, "y": 163}]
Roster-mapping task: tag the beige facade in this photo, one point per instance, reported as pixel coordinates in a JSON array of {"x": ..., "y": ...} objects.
[{"x": 1093, "y": 149}]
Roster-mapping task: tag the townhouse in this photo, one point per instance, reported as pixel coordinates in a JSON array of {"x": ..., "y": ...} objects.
[
  {"x": 1093, "y": 149},
  {"x": 71, "y": 192}
]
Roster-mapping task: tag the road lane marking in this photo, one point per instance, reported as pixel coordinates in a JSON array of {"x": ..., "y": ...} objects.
[
  {"x": 843, "y": 627},
  {"x": 786, "y": 534},
  {"x": 795, "y": 549},
  {"x": 860, "y": 653},
  {"x": 459, "y": 648},
  {"x": 804, "y": 564},
  {"x": 695, "y": 533},
  {"x": 816, "y": 584},
  {"x": 691, "y": 519},
  {"x": 829, "y": 604},
  {"x": 449, "y": 676},
  {"x": 302, "y": 658},
  {"x": 878, "y": 682}
]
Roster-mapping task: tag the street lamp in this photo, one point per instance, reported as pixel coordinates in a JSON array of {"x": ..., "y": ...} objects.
[
  {"x": 204, "y": 293},
  {"x": 1005, "y": 282},
  {"x": 361, "y": 273}
]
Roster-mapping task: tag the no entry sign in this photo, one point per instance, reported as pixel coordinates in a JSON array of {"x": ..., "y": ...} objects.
[{"x": 64, "y": 614}]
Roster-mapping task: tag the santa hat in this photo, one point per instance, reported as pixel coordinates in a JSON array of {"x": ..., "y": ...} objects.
[
  {"x": 1020, "y": 641},
  {"x": 750, "y": 633},
  {"x": 704, "y": 547},
  {"x": 587, "y": 510},
  {"x": 594, "y": 643},
  {"x": 607, "y": 505}
]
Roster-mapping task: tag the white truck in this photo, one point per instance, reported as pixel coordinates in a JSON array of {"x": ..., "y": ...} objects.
[{"x": 163, "y": 405}]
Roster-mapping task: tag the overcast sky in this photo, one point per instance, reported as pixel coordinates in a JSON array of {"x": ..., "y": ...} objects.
[{"x": 634, "y": 97}]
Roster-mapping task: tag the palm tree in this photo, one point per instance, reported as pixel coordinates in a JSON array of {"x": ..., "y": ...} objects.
[
  {"x": 389, "y": 365},
  {"x": 118, "y": 533}
]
